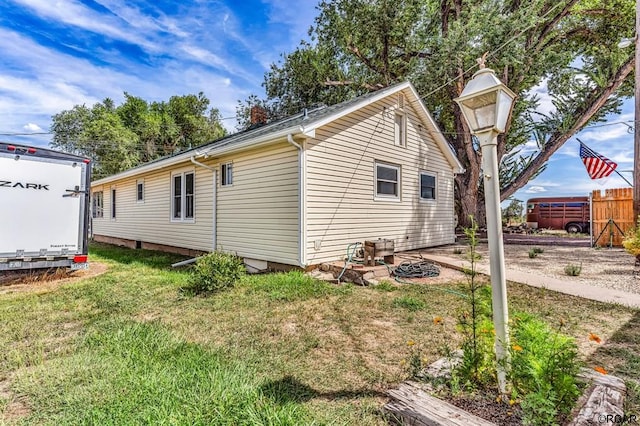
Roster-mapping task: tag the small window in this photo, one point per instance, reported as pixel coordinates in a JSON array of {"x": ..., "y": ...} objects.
[
  {"x": 140, "y": 191},
  {"x": 113, "y": 203},
  {"x": 227, "y": 174},
  {"x": 188, "y": 195},
  {"x": 97, "y": 205},
  {"x": 183, "y": 196},
  {"x": 177, "y": 197},
  {"x": 387, "y": 181},
  {"x": 427, "y": 186},
  {"x": 401, "y": 129}
]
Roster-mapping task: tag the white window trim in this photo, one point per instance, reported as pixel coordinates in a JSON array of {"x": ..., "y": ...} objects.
[
  {"x": 397, "y": 140},
  {"x": 183, "y": 197},
  {"x": 385, "y": 197},
  {"x": 435, "y": 189},
  {"x": 113, "y": 212},
  {"x": 140, "y": 182},
  {"x": 223, "y": 168},
  {"x": 94, "y": 205}
]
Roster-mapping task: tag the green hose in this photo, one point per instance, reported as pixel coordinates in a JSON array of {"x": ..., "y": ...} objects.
[
  {"x": 350, "y": 253},
  {"x": 351, "y": 250}
]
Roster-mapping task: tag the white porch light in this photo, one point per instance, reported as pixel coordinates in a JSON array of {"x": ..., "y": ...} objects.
[{"x": 486, "y": 104}]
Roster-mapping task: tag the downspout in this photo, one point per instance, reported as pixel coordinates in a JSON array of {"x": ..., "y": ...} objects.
[
  {"x": 214, "y": 223},
  {"x": 301, "y": 204}
]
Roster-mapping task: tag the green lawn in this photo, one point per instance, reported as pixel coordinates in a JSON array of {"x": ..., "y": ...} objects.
[{"x": 127, "y": 347}]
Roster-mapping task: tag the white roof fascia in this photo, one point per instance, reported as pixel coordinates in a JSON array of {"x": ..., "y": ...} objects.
[
  {"x": 208, "y": 152},
  {"x": 145, "y": 168},
  {"x": 249, "y": 143},
  {"x": 437, "y": 135},
  {"x": 382, "y": 93}
]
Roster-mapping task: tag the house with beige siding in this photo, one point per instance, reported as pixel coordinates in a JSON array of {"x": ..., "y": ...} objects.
[{"x": 296, "y": 191}]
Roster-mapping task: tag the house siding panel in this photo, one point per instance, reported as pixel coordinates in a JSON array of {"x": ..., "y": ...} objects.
[
  {"x": 258, "y": 215},
  {"x": 150, "y": 220},
  {"x": 340, "y": 185}
]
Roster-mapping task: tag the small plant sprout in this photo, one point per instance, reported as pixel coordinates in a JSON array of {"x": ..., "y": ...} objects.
[
  {"x": 573, "y": 270},
  {"x": 534, "y": 252},
  {"x": 458, "y": 250}
]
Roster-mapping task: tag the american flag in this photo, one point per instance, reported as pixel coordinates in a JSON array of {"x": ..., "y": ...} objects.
[{"x": 598, "y": 166}]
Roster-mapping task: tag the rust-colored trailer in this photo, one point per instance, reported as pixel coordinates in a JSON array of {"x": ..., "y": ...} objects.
[{"x": 568, "y": 213}]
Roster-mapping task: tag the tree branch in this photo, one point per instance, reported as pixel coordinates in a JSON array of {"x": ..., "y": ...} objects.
[
  {"x": 370, "y": 87},
  {"x": 596, "y": 100},
  {"x": 354, "y": 49},
  {"x": 552, "y": 24}
]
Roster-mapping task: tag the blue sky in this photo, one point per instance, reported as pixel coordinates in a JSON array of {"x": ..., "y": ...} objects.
[{"x": 56, "y": 54}]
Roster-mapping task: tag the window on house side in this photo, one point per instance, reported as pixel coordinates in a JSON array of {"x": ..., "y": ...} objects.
[
  {"x": 183, "y": 196},
  {"x": 113, "y": 203},
  {"x": 177, "y": 197},
  {"x": 401, "y": 129},
  {"x": 189, "y": 191},
  {"x": 140, "y": 191},
  {"x": 427, "y": 186},
  {"x": 97, "y": 205},
  {"x": 387, "y": 181},
  {"x": 227, "y": 174}
]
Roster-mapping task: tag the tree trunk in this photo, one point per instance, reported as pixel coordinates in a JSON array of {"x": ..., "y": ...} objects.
[
  {"x": 469, "y": 198},
  {"x": 467, "y": 205}
]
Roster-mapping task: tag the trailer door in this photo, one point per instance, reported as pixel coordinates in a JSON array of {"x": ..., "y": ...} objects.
[{"x": 41, "y": 208}]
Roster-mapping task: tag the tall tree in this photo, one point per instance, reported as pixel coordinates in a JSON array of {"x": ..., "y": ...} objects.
[
  {"x": 120, "y": 137},
  {"x": 565, "y": 46}
]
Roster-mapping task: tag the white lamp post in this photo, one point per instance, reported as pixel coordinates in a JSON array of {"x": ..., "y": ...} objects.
[{"x": 486, "y": 104}]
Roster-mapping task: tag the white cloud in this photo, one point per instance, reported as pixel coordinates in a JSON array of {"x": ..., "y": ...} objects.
[
  {"x": 545, "y": 104},
  {"x": 535, "y": 189},
  {"x": 296, "y": 19},
  {"x": 187, "y": 47},
  {"x": 51, "y": 81},
  {"x": 78, "y": 15},
  {"x": 31, "y": 127}
]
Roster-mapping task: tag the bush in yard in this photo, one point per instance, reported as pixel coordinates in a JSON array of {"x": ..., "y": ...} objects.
[
  {"x": 544, "y": 367},
  {"x": 216, "y": 271},
  {"x": 631, "y": 241}
]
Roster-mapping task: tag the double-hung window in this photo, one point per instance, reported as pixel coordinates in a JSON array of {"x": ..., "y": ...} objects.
[
  {"x": 427, "y": 186},
  {"x": 183, "y": 196},
  {"x": 97, "y": 204},
  {"x": 387, "y": 181}
]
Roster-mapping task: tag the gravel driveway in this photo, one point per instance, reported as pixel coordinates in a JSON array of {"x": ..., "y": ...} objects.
[{"x": 604, "y": 267}]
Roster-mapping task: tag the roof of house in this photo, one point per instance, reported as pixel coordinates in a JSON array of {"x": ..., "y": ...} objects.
[{"x": 304, "y": 123}]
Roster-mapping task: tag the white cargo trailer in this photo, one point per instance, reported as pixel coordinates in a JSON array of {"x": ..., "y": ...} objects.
[{"x": 44, "y": 208}]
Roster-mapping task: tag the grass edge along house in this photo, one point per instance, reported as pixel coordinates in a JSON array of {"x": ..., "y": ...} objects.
[{"x": 296, "y": 191}]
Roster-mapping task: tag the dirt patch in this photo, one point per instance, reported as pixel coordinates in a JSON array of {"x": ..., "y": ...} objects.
[
  {"x": 46, "y": 281},
  {"x": 605, "y": 267},
  {"x": 15, "y": 407},
  {"x": 489, "y": 409}
]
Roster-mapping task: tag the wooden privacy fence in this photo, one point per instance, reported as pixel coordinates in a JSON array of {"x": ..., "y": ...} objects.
[{"x": 611, "y": 216}]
